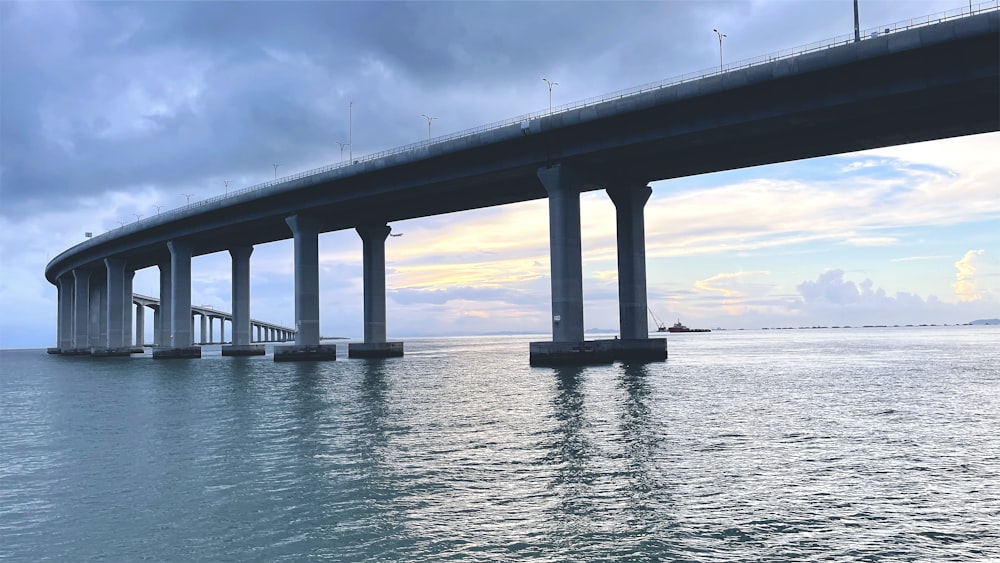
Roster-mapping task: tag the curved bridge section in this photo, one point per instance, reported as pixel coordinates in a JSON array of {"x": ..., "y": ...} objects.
[
  {"x": 260, "y": 331},
  {"x": 933, "y": 81}
]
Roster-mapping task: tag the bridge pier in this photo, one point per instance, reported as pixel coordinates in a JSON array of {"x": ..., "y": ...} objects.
[
  {"x": 635, "y": 344},
  {"x": 81, "y": 313},
  {"x": 64, "y": 337},
  {"x": 242, "y": 327},
  {"x": 166, "y": 277},
  {"x": 98, "y": 322},
  {"x": 373, "y": 249},
  {"x": 140, "y": 326},
  {"x": 113, "y": 311},
  {"x": 130, "y": 327},
  {"x": 181, "y": 343},
  {"x": 568, "y": 345},
  {"x": 204, "y": 335},
  {"x": 305, "y": 231}
]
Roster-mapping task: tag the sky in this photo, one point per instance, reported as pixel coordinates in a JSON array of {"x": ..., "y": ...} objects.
[{"x": 113, "y": 111}]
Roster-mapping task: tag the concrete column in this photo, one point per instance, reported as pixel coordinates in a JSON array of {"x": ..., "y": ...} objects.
[
  {"x": 81, "y": 309},
  {"x": 127, "y": 327},
  {"x": 115, "y": 305},
  {"x": 306, "y": 233},
  {"x": 566, "y": 262},
  {"x": 222, "y": 330},
  {"x": 140, "y": 325},
  {"x": 166, "y": 313},
  {"x": 373, "y": 248},
  {"x": 64, "y": 339},
  {"x": 629, "y": 205},
  {"x": 241, "y": 294},
  {"x": 204, "y": 329},
  {"x": 156, "y": 327},
  {"x": 98, "y": 333},
  {"x": 181, "y": 332}
]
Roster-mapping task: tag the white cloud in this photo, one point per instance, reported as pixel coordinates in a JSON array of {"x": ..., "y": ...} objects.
[{"x": 974, "y": 273}]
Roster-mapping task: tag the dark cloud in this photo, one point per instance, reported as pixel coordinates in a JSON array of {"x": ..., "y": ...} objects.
[{"x": 103, "y": 96}]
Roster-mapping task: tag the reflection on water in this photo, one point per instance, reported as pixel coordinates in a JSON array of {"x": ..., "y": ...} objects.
[{"x": 742, "y": 446}]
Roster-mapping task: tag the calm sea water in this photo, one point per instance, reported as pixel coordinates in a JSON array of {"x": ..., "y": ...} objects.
[{"x": 833, "y": 445}]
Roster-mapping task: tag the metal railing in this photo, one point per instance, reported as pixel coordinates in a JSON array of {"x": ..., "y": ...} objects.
[{"x": 983, "y": 7}]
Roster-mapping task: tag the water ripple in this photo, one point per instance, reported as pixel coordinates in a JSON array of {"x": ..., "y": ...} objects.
[{"x": 819, "y": 445}]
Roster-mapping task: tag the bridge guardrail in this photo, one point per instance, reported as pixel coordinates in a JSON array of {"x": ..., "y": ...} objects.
[{"x": 922, "y": 21}]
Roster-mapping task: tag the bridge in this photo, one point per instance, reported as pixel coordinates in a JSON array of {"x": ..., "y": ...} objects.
[
  {"x": 260, "y": 331},
  {"x": 931, "y": 79}
]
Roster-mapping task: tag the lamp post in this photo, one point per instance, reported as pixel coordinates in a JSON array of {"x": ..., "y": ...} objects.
[
  {"x": 551, "y": 84},
  {"x": 721, "y": 35},
  {"x": 188, "y": 196},
  {"x": 342, "y": 145},
  {"x": 350, "y": 130},
  {"x": 226, "y": 182},
  {"x": 157, "y": 208},
  {"x": 857, "y": 28},
  {"x": 137, "y": 216},
  {"x": 275, "y": 170},
  {"x": 429, "y": 119}
]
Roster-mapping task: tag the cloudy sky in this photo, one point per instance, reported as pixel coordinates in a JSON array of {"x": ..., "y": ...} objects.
[{"x": 114, "y": 111}]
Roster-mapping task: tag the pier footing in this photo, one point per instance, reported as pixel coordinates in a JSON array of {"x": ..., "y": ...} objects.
[
  {"x": 243, "y": 350},
  {"x": 74, "y": 351},
  {"x": 167, "y": 353},
  {"x": 54, "y": 350},
  {"x": 297, "y": 353},
  {"x": 375, "y": 350},
  {"x": 110, "y": 352},
  {"x": 597, "y": 352}
]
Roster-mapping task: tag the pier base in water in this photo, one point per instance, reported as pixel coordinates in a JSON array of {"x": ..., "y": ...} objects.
[
  {"x": 299, "y": 353},
  {"x": 375, "y": 350},
  {"x": 167, "y": 353},
  {"x": 597, "y": 352},
  {"x": 243, "y": 350},
  {"x": 109, "y": 352}
]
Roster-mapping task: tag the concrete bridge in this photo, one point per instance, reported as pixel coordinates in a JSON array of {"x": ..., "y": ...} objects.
[
  {"x": 260, "y": 331},
  {"x": 933, "y": 79}
]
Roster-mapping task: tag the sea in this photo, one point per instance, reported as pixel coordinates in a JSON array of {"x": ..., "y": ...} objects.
[{"x": 861, "y": 444}]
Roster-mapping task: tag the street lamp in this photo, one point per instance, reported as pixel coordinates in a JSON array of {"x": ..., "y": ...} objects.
[
  {"x": 157, "y": 208},
  {"x": 137, "y": 217},
  {"x": 342, "y": 145},
  {"x": 188, "y": 196},
  {"x": 721, "y": 35},
  {"x": 551, "y": 84},
  {"x": 857, "y": 29},
  {"x": 429, "y": 119},
  {"x": 350, "y": 130},
  {"x": 226, "y": 182},
  {"x": 275, "y": 170}
]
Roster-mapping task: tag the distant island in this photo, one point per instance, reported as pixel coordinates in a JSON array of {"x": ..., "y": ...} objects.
[{"x": 986, "y": 322}]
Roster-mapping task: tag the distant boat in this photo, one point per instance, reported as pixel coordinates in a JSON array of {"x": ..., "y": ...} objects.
[{"x": 678, "y": 327}]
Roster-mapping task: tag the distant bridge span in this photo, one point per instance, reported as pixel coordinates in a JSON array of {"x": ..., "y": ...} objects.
[
  {"x": 930, "y": 82},
  {"x": 260, "y": 331}
]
